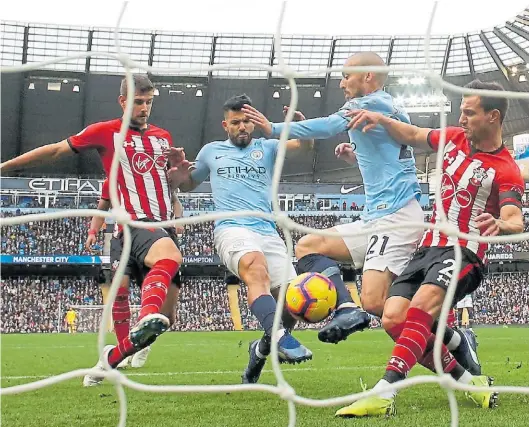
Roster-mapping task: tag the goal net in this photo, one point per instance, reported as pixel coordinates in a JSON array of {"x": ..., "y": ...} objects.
[
  {"x": 102, "y": 315},
  {"x": 89, "y": 317}
]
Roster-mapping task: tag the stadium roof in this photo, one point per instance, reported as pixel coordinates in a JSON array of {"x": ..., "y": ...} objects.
[
  {"x": 499, "y": 53},
  {"x": 499, "y": 48},
  {"x": 332, "y": 17}
]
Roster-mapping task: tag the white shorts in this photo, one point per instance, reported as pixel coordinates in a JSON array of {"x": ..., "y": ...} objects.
[
  {"x": 465, "y": 302},
  {"x": 391, "y": 249},
  {"x": 233, "y": 243}
]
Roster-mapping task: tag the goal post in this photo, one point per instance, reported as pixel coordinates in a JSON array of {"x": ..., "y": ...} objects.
[{"x": 89, "y": 317}]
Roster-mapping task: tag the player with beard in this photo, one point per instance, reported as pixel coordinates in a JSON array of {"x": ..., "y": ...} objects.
[
  {"x": 483, "y": 190},
  {"x": 392, "y": 196},
  {"x": 146, "y": 196},
  {"x": 241, "y": 170}
]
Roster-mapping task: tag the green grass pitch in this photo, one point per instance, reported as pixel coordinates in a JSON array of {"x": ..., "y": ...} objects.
[{"x": 219, "y": 357}]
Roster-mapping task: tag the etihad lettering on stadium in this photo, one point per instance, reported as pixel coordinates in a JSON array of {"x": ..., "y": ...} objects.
[
  {"x": 240, "y": 171},
  {"x": 72, "y": 185}
]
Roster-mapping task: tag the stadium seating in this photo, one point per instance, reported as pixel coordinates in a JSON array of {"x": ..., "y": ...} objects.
[{"x": 39, "y": 304}]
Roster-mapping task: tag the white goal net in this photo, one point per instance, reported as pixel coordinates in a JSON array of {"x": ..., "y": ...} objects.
[
  {"x": 89, "y": 317},
  {"x": 282, "y": 389}
]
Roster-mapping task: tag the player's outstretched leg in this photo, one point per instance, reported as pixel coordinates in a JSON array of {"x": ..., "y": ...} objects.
[
  {"x": 410, "y": 348},
  {"x": 121, "y": 316},
  {"x": 348, "y": 317},
  {"x": 253, "y": 271},
  {"x": 138, "y": 360},
  {"x": 94, "y": 379},
  {"x": 163, "y": 259},
  {"x": 259, "y": 349}
]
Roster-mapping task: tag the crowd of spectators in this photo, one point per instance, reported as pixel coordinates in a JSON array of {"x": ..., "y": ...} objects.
[
  {"x": 39, "y": 304},
  {"x": 522, "y": 246},
  {"x": 503, "y": 299},
  {"x": 203, "y": 306},
  {"x": 64, "y": 236}
]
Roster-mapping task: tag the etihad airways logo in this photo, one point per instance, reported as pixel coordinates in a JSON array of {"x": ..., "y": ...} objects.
[{"x": 241, "y": 171}]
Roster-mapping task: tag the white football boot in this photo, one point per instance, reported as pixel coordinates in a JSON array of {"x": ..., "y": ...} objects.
[
  {"x": 93, "y": 380},
  {"x": 138, "y": 359}
]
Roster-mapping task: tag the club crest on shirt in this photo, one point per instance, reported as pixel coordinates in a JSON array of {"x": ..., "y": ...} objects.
[
  {"x": 256, "y": 154},
  {"x": 163, "y": 142},
  {"x": 480, "y": 174}
]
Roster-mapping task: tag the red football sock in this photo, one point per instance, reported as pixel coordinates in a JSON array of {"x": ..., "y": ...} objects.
[
  {"x": 449, "y": 363},
  {"x": 447, "y": 359},
  {"x": 123, "y": 350},
  {"x": 121, "y": 314},
  {"x": 411, "y": 343},
  {"x": 155, "y": 286}
]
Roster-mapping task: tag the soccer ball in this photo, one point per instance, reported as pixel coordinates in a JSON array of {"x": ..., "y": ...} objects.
[{"x": 311, "y": 297}]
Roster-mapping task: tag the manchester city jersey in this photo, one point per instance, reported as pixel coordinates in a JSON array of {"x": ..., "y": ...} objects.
[
  {"x": 387, "y": 167},
  {"x": 241, "y": 179}
]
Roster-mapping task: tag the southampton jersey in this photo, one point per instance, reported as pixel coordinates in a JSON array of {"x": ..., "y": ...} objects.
[
  {"x": 387, "y": 167},
  {"x": 241, "y": 179},
  {"x": 472, "y": 181},
  {"x": 142, "y": 181}
]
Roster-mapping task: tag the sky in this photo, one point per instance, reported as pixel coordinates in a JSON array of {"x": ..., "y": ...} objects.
[{"x": 316, "y": 17}]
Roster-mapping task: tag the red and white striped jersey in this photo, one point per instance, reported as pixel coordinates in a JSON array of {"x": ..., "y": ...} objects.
[
  {"x": 472, "y": 181},
  {"x": 142, "y": 181}
]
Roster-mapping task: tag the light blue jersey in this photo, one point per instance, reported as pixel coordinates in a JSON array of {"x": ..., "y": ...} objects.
[
  {"x": 387, "y": 167},
  {"x": 241, "y": 179}
]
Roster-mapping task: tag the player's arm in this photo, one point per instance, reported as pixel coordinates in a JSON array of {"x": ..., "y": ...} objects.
[
  {"x": 96, "y": 223},
  {"x": 320, "y": 128},
  {"x": 178, "y": 210},
  {"x": 37, "y": 157},
  {"x": 510, "y": 221},
  {"x": 89, "y": 137},
  {"x": 401, "y": 132},
  {"x": 298, "y": 145}
]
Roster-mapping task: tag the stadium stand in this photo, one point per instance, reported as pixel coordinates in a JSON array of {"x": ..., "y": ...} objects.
[{"x": 39, "y": 304}]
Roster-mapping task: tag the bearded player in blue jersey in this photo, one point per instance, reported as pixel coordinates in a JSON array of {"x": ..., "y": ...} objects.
[
  {"x": 241, "y": 170},
  {"x": 392, "y": 197}
]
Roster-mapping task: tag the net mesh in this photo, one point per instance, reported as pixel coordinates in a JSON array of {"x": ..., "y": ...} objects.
[
  {"x": 282, "y": 389},
  {"x": 89, "y": 317}
]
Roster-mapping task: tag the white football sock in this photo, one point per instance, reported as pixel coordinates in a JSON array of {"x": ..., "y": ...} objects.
[
  {"x": 466, "y": 378},
  {"x": 454, "y": 341},
  {"x": 346, "y": 305},
  {"x": 258, "y": 353},
  {"x": 386, "y": 394}
]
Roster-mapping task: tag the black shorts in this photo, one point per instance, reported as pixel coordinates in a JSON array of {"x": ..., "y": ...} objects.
[
  {"x": 142, "y": 241},
  {"x": 435, "y": 266}
]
